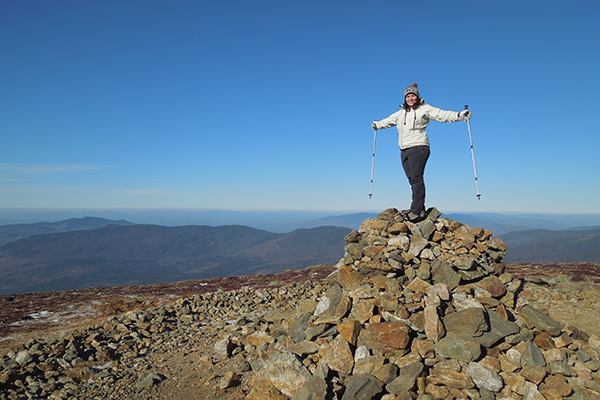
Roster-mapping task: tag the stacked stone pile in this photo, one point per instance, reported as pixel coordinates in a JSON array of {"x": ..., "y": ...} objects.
[{"x": 419, "y": 311}]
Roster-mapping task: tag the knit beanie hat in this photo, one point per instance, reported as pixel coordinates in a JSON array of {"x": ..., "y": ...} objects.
[{"x": 412, "y": 89}]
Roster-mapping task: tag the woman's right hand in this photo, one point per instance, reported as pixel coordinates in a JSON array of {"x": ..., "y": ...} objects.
[
  {"x": 464, "y": 115},
  {"x": 374, "y": 125}
]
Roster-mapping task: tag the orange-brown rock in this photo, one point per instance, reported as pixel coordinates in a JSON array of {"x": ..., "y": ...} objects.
[
  {"x": 392, "y": 335},
  {"x": 559, "y": 384},
  {"x": 349, "y": 330},
  {"x": 349, "y": 278}
]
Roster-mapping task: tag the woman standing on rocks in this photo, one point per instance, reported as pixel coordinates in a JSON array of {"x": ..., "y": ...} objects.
[{"x": 412, "y": 120}]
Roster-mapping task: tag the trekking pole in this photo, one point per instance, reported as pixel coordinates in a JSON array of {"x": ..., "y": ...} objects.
[
  {"x": 373, "y": 162},
  {"x": 473, "y": 155}
]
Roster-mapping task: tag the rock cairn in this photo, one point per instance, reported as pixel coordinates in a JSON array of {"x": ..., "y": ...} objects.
[
  {"x": 414, "y": 311},
  {"x": 420, "y": 311}
]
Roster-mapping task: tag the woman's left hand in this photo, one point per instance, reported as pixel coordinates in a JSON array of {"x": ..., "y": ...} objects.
[{"x": 464, "y": 115}]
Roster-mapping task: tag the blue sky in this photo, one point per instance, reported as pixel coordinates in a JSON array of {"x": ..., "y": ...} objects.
[{"x": 267, "y": 105}]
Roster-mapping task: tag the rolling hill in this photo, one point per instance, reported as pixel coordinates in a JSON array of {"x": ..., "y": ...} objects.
[
  {"x": 542, "y": 245},
  {"x": 142, "y": 254},
  {"x": 12, "y": 232}
]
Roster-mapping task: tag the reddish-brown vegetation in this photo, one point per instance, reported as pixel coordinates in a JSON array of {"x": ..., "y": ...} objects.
[{"x": 577, "y": 272}]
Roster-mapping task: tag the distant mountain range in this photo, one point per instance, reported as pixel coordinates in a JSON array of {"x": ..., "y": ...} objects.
[
  {"x": 287, "y": 221},
  {"x": 546, "y": 246},
  {"x": 10, "y": 233},
  {"x": 86, "y": 252},
  {"x": 141, "y": 254}
]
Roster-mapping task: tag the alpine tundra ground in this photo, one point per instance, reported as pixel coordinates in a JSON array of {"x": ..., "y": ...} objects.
[{"x": 567, "y": 292}]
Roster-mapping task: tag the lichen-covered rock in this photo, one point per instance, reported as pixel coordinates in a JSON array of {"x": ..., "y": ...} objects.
[{"x": 284, "y": 371}]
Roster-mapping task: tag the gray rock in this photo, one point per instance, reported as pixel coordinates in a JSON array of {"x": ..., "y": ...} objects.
[
  {"x": 523, "y": 335},
  {"x": 433, "y": 213},
  {"x": 362, "y": 387},
  {"x": 484, "y": 377},
  {"x": 256, "y": 364},
  {"x": 314, "y": 389},
  {"x": 471, "y": 275},
  {"x": 70, "y": 356},
  {"x": 304, "y": 348},
  {"x": 322, "y": 306},
  {"x": 224, "y": 347},
  {"x": 417, "y": 244},
  {"x": 335, "y": 297},
  {"x": 23, "y": 357},
  {"x": 462, "y": 301},
  {"x": 386, "y": 373},
  {"x": 228, "y": 380},
  {"x": 360, "y": 353},
  {"x": 336, "y": 366},
  {"x": 406, "y": 379},
  {"x": 442, "y": 272},
  {"x": 322, "y": 372},
  {"x": 581, "y": 390},
  {"x": 560, "y": 367},
  {"x": 532, "y": 355},
  {"x": 7, "y": 375},
  {"x": 423, "y": 229},
  {"x": 424, "y": 271},
  {"x": 298, "y": 329},
  {"x": 315, "y": 331},
  {"x": 470, "y": 321},
  {"x": 284, "y": 371},
  {"x": 464, "y": 262},
  {"x": 352, "y": 237},
  {"x": 458, "y": 347},
  {"x": 542, "y": 321},
  {"x": 485, "y": 394},
  {"x": 583, "y": 356},
  {"x": 402, "y": 242},
  {"x": 149, "y": 380},
  {"x": 499, "y": 329},
  {"x": 452, "y": 379},
  {"x": 368, "y": 364}
]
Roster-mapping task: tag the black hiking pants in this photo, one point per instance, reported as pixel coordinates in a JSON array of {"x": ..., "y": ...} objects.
[{"x": 413, "y": 162}]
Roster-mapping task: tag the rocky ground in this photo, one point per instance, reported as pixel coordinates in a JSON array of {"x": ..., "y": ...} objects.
[
  {"x": 34, "y": 315},
  {"x": 191, "y": 340},
  {"x": 181, "y": 360},
  {"x": 186, "y": 366}
]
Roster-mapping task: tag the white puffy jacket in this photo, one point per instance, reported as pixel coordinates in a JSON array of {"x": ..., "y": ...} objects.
[{"x": 411, "y": 124}]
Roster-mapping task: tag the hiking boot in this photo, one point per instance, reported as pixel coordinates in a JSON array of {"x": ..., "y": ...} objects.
[{"x": 412, "y": 217}]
